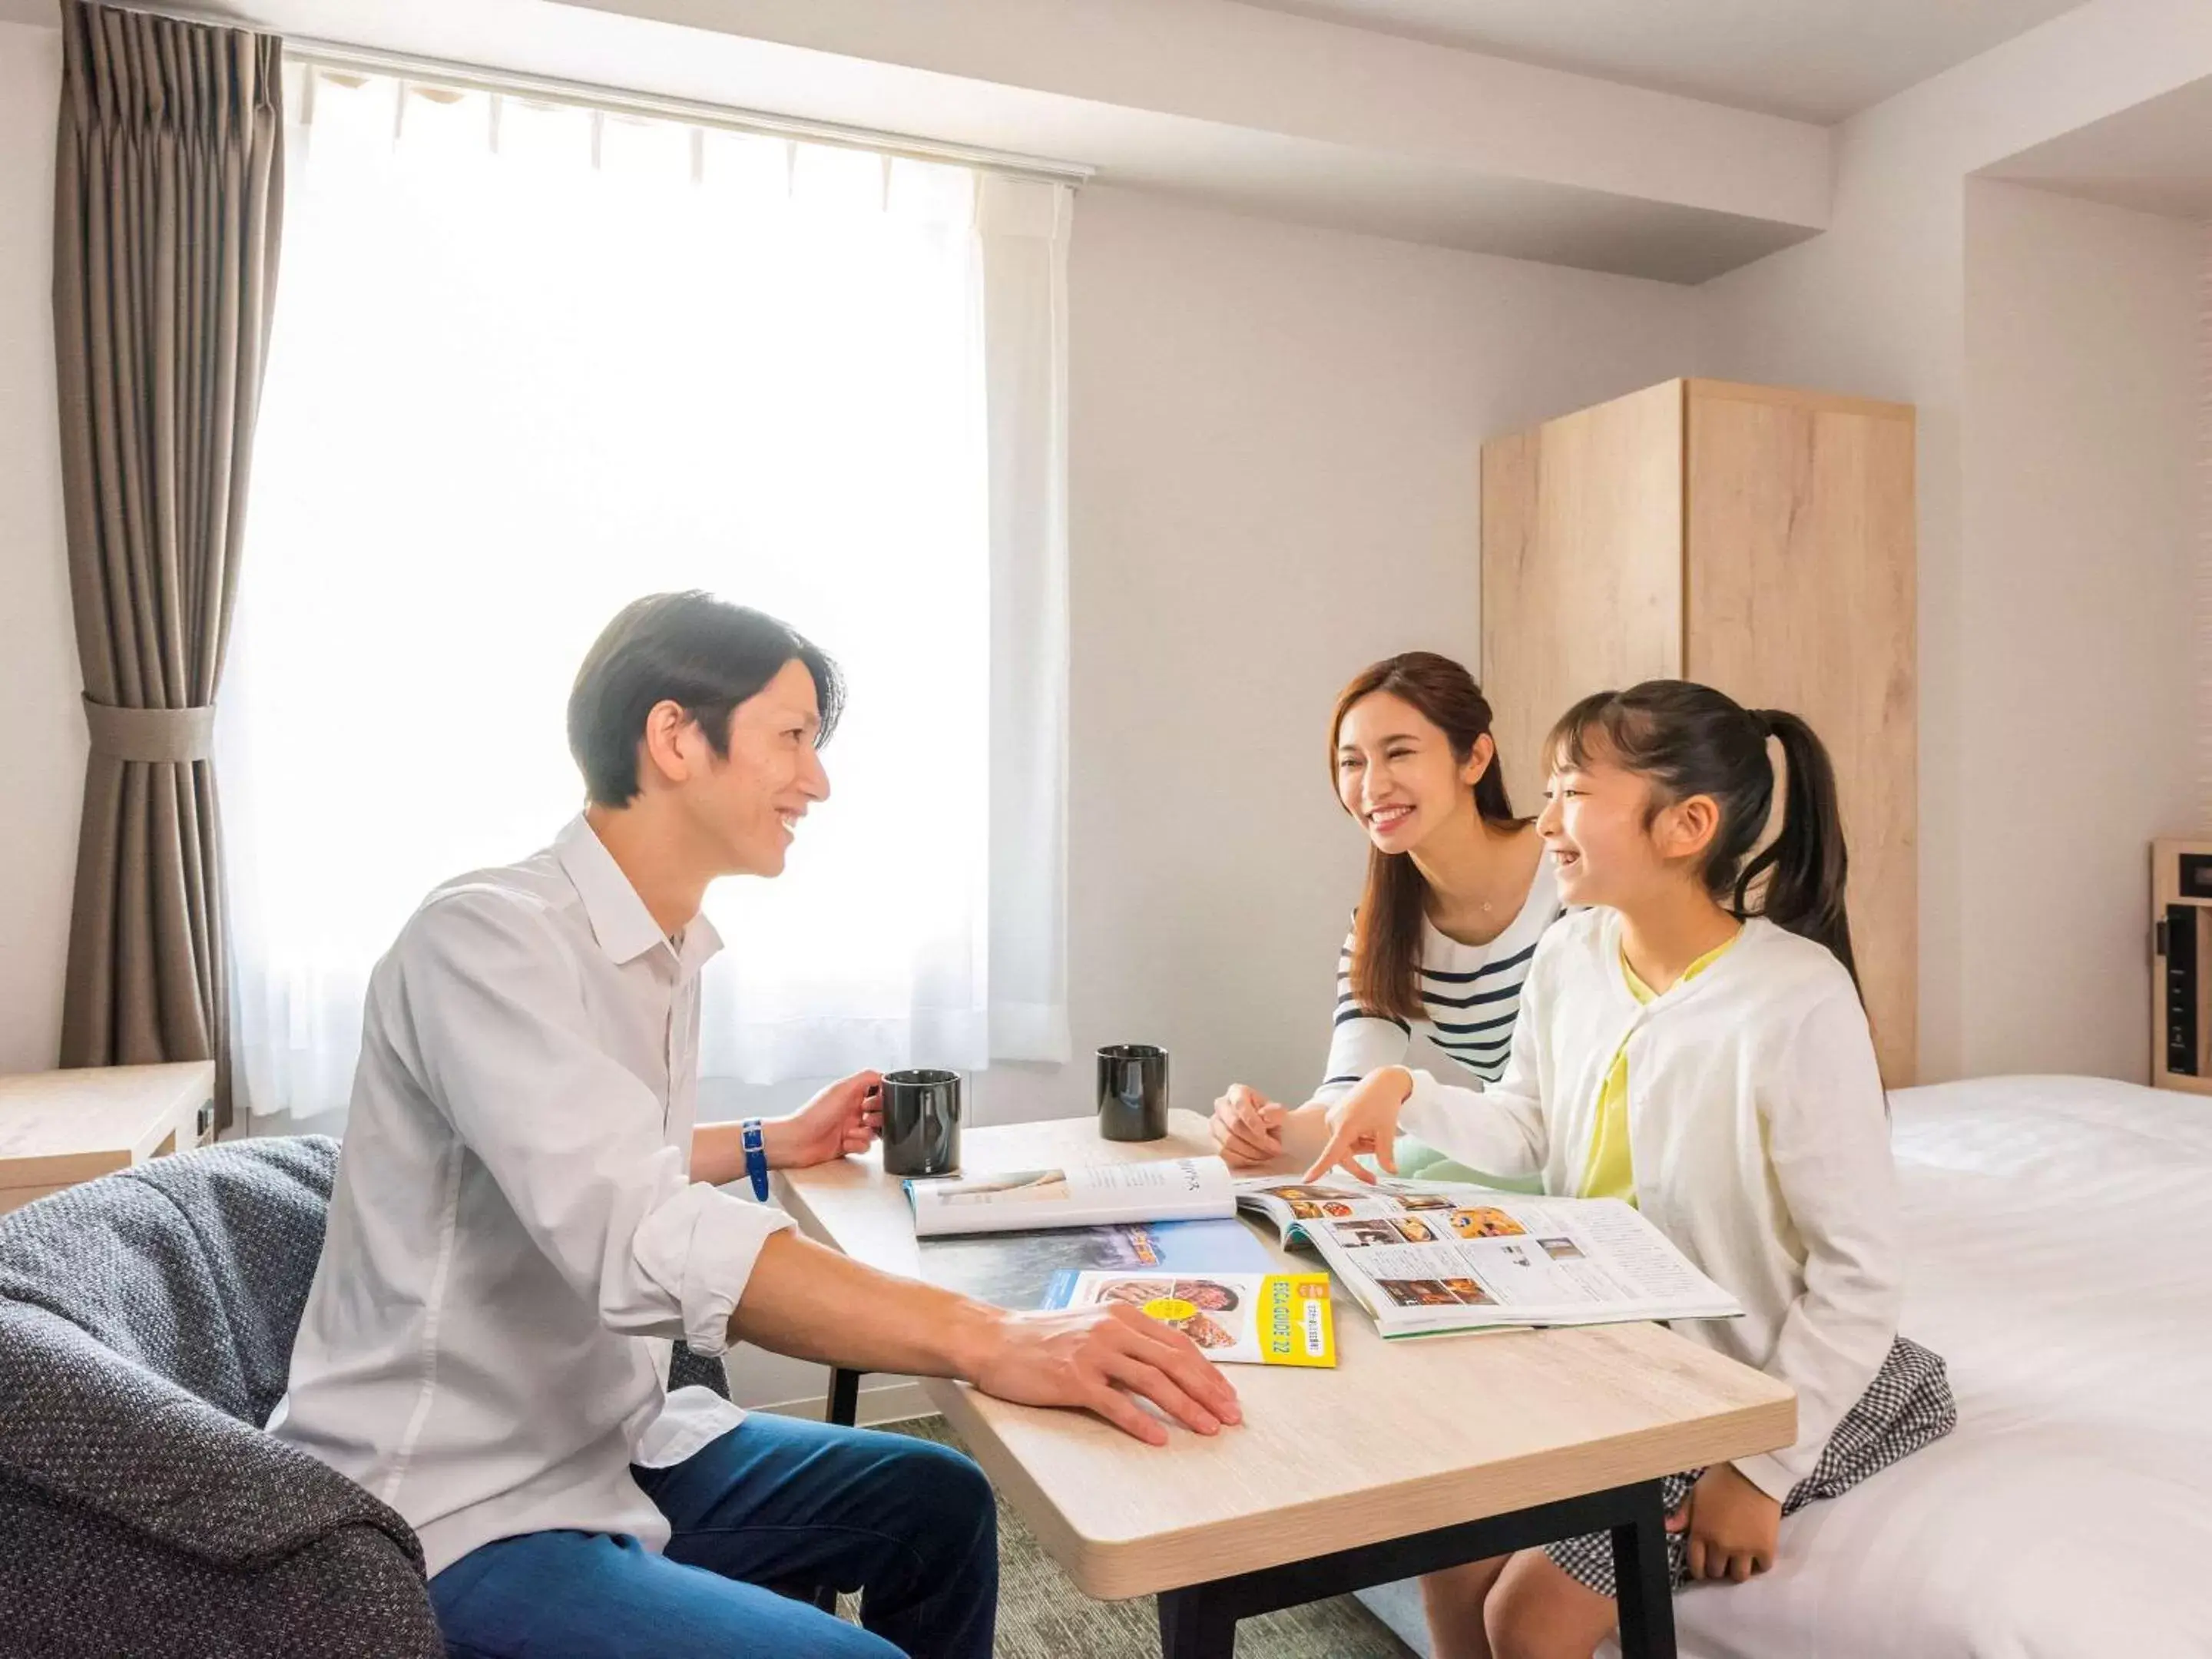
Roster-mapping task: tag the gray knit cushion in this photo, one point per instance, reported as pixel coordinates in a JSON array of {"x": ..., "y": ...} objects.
[
  {"x": 194, "y": 1269},
  {"x": 146, "y": 1325}
]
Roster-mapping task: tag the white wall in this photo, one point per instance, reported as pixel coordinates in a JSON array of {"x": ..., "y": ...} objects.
[
  {"x": 1274, "y": 481},
  {"x": 1877, "y": 305},
  {"x": 2080, "y": 512},
  {"x": 41, "y": 730}
]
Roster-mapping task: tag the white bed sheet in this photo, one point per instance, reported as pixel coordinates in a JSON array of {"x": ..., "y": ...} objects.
[{"x": 2061, "y": 1244}]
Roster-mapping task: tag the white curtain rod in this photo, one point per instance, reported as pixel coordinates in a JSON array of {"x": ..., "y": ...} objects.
[{"x": 333, "y": 55}]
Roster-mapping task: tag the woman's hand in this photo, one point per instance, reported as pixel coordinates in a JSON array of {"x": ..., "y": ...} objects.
[
  {"x": 845, "y": 1117},
  {"x": 1365, "y": 1120},
  {"x": 1248, "y": 1127},
  {"x": 1734, "y": 1526}
]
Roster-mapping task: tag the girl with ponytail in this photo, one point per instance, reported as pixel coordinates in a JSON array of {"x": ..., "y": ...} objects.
[{"x": 1692, "y": 1043}]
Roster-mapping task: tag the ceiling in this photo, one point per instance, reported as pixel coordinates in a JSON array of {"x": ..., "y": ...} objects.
[
  {"x": 1230, "y": 104},
  {"x": 2155, "y": 157},
  {"x": 1813, "y": 60},
  {"x": 1496, "y": 157}
]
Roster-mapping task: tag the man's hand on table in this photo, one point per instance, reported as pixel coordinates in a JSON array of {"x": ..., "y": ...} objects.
[
  {"x": 1097, "y": 1359},
  {"x": 807, "y": 1302}
]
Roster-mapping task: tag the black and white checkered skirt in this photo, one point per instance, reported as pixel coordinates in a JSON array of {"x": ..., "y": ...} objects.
[{"x": 1907, "y": 1405}]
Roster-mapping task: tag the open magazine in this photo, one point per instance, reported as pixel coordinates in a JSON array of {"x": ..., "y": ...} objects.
[
  {"x": 1018, "y": 1270},
  {"x": 1257, "y": 1319},
  {"x": 1165, "y": 1189},
  {"x": 1424, "y": 1257}
]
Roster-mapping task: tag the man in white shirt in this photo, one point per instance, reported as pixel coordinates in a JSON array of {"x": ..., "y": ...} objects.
[{"x": 526, "y": 1216}]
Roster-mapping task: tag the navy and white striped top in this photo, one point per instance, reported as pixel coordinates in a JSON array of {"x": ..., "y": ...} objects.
[{"x": 1472, "y": 992}]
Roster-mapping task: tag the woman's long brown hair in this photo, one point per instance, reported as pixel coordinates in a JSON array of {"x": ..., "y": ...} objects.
[{"x": 1385, "y": 933}]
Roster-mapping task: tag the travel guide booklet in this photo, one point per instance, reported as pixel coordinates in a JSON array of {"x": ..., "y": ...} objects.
[
  {"x": 1016, "y": 1270},
  {"x": 1023, "y": 1201},
  {"x": 1425, "y": 1257},
  {"x": 1257, "y": 1319}
]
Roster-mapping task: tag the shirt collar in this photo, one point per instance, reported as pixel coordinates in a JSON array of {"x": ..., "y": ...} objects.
[{"x": 620, "y": 922}]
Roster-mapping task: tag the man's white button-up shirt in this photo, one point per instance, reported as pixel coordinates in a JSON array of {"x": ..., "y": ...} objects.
[{"x": 514, "y": 1237}]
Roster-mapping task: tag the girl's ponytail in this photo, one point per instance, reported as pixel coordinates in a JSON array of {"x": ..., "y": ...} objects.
[{"x": 1806, "y": 864}]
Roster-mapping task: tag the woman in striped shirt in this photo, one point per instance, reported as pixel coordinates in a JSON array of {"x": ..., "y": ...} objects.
[{"x": 1458, "y": 892}]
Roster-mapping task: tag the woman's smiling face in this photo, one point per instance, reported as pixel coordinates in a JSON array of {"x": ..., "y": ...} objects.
[{"x": 1396, "y": 773}]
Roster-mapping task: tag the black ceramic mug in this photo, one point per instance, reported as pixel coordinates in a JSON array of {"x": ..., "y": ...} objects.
[
  {"x": 1133, "y": 1091},
  {"x": 921, "y": 1122}
]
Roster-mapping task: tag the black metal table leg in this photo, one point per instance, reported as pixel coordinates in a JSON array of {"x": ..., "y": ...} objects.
[
  {"x": 1195, "y": 1625},
  {"x": 844, "y": 1396},
  {"x": 1644, "y": 1585},
  {"x": 1198, "y": 1621}
]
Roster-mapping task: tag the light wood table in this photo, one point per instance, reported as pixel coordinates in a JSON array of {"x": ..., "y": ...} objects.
[
  {"x": 1408, "y": 1457},
  {"x": 57, "y": 1128}
]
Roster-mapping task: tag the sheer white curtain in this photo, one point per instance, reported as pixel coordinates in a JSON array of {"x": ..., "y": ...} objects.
[{"x": 533, "y": 360}]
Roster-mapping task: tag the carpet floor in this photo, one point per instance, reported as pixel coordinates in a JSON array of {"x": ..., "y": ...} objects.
[{"x": 1041, "y": 1615}]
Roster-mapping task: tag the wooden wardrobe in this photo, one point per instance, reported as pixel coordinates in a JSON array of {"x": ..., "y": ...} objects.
[{"x": 1758, "y": 540}]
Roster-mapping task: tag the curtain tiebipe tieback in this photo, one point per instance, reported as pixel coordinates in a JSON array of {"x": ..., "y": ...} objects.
[{"x": 151, "y": 734}]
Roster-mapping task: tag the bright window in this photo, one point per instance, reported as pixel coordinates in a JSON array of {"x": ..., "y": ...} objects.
[{"x": 534, "y": 360}]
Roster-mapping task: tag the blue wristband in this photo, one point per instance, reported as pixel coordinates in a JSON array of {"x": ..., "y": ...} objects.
[{"x": 756, "y": 1157}]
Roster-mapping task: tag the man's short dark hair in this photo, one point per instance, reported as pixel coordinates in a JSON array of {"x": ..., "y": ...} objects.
[{"x": 689, "y": 648}]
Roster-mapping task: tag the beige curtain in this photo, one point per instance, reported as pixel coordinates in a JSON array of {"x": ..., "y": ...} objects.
[{"x": 166, "y": 204}]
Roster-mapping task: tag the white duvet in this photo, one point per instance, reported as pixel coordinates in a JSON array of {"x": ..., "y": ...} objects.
[{"x": 2061, "y": 1244}]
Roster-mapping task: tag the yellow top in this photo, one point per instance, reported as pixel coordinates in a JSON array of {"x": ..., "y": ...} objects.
[{"x": 1609, "y": 1172}]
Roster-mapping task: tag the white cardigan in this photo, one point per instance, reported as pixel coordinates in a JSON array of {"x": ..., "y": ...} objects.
[{"x": 1761, "y": 1137}]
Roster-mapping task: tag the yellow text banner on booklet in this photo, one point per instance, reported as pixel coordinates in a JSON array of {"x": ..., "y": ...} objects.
[{"x": 1254, "y": 1319}]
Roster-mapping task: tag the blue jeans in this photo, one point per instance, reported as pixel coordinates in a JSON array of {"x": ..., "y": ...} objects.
[{"x": 774, "y": 1509}]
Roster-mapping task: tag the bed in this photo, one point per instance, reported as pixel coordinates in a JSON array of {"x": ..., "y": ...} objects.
[{"x": 2061, "y": 1235}]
